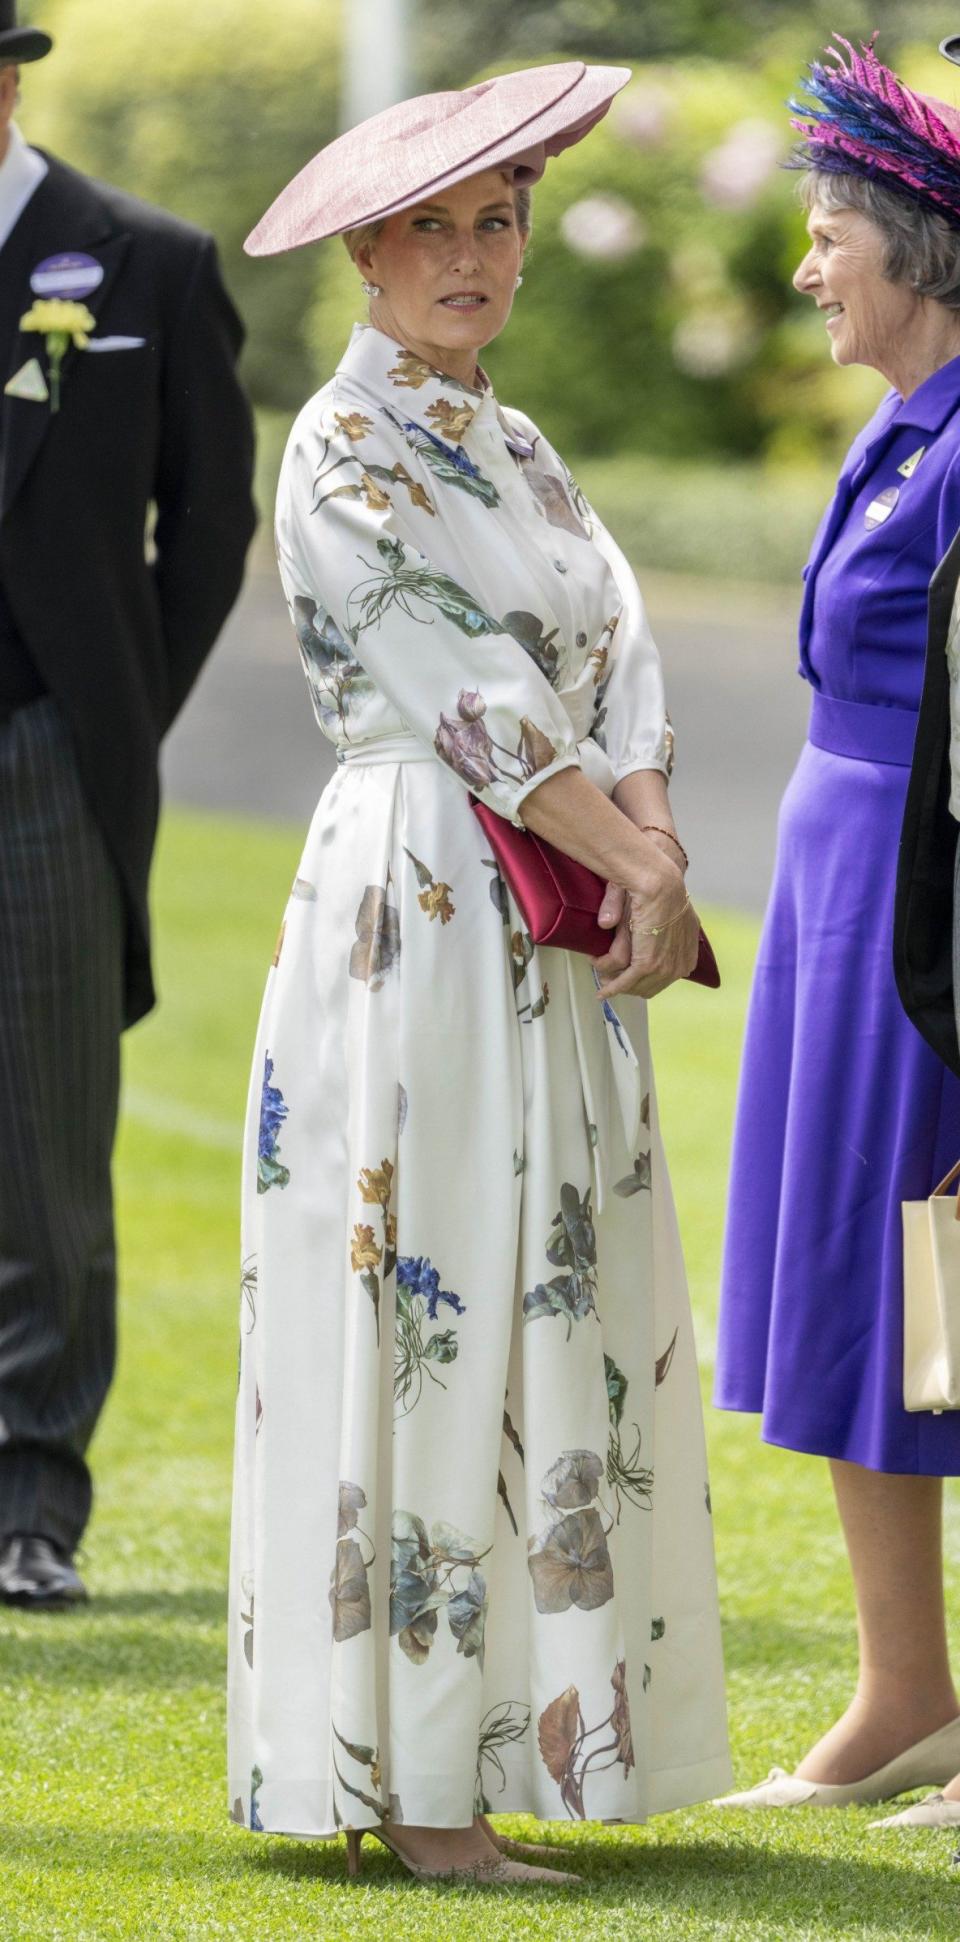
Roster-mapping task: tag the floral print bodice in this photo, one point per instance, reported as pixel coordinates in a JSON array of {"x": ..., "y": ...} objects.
[{"x": 448, "y": 580}]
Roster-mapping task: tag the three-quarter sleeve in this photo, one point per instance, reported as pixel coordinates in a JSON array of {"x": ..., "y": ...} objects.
[
  {"x": 635, "y": 729},
  {"x": 462, "y": 685}
]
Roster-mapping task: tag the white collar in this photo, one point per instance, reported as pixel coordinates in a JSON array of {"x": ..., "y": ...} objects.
[{"x": 21, "y": 172}]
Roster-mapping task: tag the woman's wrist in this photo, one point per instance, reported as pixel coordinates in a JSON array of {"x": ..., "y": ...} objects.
[
  {"x": 657, "y": 930},
  {"x": 571, "y": 812},
  {"x": 667, "y": 842},
  {"x": 644, "y": 799},
  {"x": 655, "y": 876}
]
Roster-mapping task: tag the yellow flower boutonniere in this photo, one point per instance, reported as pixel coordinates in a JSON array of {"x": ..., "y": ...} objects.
[{"x": 61, "y": 323}]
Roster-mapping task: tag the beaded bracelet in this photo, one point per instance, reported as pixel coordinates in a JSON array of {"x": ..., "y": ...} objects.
[
  {"x": 654, "y": 930},
  {"x": 656, "y": 829}
]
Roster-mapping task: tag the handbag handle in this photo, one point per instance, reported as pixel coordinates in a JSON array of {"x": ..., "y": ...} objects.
[{"x": 946, "y": 1182}]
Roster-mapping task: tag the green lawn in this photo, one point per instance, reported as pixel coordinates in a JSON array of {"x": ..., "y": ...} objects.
[{"x": 113, "y": 1813}]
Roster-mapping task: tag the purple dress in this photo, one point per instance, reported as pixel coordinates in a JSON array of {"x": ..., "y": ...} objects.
[{"x": 843, "y": 1110}]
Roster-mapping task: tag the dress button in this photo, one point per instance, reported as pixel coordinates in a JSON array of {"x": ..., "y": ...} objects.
[
  {"x": 581, "y": 640},
  {"x": 559, "y": 566}
]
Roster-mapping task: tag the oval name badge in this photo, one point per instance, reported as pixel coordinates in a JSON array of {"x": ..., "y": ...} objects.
[
  {"x": 66, "y": 276},
  {"x": 881, "y": 507}
]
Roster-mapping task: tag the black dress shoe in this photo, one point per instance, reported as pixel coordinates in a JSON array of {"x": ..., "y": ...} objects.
[{"x": 37, "y": 1574}]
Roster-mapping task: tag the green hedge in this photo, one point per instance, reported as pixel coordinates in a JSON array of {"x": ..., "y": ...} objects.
[
  {"x": 725, "y": 522},
  {"x": 687, "y": 340}
]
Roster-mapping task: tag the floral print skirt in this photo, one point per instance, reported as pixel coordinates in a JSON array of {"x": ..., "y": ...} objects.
[{"x": 472, "y": 1563}]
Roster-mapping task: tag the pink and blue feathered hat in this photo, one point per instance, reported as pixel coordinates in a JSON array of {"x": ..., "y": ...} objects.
[{"x": 861, "y": 120}]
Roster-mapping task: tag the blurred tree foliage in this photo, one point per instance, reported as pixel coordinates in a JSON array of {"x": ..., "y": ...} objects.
[
  {"x": 207, "y": 110},
  {"x": 656, "y": 314},
  {"x": 459, "y": 35}
]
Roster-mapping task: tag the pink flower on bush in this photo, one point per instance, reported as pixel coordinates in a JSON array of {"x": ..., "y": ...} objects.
[
  {"x": 735, "y": 174},
  {"x": 643, "y": 115}
]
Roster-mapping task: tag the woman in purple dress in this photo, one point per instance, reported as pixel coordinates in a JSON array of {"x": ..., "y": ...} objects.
[{"x": 844, "y": 1111}]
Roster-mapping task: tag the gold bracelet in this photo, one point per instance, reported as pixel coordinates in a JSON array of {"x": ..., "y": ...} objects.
[
  {"x": 657, "y": 829},
  {"x": 655, "y": 930}
]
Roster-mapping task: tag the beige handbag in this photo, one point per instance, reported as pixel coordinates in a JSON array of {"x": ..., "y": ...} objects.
[{"x": 931, "y": 1300}]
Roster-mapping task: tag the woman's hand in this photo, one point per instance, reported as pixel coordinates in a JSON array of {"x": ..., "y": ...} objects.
[
  {"x": 614, "y": 839},
  {"x": 637, "y": 962}
]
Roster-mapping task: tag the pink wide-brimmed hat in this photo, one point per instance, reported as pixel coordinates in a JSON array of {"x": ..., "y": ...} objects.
[{"x": 418, "y": 148}]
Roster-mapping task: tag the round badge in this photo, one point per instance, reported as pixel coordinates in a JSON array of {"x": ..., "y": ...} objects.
[
  {"x": 66, "y": 276},
  {"x": 881, "y": 507}
]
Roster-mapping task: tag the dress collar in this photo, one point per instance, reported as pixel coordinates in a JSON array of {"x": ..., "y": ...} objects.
[
  {"x": 441, "y": 404},
  {"x": 933, "y": 402}
]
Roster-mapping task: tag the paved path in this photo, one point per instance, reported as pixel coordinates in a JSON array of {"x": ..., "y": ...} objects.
[{"x": 247, "y": 740}]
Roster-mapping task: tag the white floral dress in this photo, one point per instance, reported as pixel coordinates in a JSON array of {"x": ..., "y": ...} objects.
[{"x": 472, "y": 1561}]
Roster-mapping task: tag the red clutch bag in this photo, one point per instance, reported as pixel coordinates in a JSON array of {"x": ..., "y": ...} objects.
[{"x": 559, "y": 899}]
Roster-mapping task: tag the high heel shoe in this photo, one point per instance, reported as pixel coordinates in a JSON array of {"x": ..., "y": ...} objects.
[{"x": 495, "y": 1873}]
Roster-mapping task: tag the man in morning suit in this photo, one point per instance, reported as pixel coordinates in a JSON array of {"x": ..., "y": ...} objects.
[{"x": 101, "y": 639}]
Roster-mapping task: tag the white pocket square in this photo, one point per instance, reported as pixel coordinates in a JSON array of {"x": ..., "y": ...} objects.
[
  {"x": 29, "y": 382},
  {"x": 114, "y": 343}
]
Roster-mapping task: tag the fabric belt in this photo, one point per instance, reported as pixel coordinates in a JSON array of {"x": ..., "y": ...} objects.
[
  {"x": 611, "y": 1080},
  {"x": 596, "y": 766},
  {"x": 389, "y": 748},
  {"x": 865, "y": 731}
]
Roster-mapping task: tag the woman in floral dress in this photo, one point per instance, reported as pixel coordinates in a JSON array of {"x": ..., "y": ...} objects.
[{"x": 472, "y": 1564}]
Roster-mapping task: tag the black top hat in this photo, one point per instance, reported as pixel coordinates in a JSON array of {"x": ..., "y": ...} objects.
[
  {"x": 19, "y": 43},
  {"x": 951, "y": 48}
]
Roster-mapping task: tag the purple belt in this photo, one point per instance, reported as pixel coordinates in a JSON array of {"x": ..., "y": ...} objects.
[{"x": 863, "y": 730}]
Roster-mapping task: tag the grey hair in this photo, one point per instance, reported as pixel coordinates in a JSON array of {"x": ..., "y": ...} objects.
[
  {"x": 921, "y": 248},
  {"x": 368, "y": 232}
]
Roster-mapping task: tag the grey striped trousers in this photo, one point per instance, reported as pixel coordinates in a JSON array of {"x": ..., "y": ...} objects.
[{"x": 61, "y": 1000}]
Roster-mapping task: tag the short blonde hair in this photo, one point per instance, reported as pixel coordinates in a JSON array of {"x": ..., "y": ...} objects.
[
  {"x": 355, "y": 238},
  {"x": 368, "y": 232}
]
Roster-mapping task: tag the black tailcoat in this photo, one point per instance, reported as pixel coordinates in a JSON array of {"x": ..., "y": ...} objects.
[
  {"x": 119, "y": 637},
  {"x": 923, "y": 917}
]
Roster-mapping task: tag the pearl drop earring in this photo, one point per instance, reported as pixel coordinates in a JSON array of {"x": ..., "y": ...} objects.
[{"x": 370, "y": 289}]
